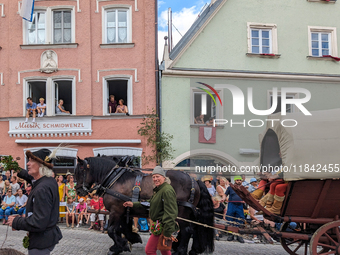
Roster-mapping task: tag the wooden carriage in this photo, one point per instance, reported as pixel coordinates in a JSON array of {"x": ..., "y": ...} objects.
[{"x": 310, "y": 155}]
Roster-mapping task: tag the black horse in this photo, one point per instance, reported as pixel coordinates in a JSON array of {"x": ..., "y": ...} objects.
[{"x": 93, "y": 170}]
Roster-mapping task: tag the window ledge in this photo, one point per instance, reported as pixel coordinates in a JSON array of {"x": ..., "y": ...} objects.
[
  {"x": 48, "y": 46},
  {"x": 320, "y": 58},
  {"x": 263, "y": 55},
  {"x": 116, "y": 45},
  {"x": 199, "y": 125},
  {"x": 324, "y": 1}
]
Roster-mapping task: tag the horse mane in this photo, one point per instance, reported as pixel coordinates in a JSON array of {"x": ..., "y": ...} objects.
[{"x": 101, "y": 166}]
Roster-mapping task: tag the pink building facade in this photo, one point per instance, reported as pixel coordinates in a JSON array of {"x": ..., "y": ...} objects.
[{"x": 81, "y": 52}]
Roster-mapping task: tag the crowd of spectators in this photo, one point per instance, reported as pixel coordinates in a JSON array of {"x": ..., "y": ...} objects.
[{"x": 13, "y": 195}]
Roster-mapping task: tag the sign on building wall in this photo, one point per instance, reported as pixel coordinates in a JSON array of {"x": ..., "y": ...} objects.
[{"x": 50, "y": 127}]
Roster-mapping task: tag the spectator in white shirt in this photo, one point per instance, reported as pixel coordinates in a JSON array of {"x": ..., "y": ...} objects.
[
  {"x": 20, "y": 204},
  {"x": 15, "y": 185}
]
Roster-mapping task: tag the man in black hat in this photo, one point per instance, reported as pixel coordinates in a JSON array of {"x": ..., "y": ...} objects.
[{"x": 42, "y": 208}]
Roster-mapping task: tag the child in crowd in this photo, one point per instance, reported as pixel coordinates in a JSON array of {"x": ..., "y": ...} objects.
[
  {"x": 81, "y": 208},
  {"x": 70, "y": 207},
  {"x": 97, "y": 204},
  {"x": 88, "y": 206}
]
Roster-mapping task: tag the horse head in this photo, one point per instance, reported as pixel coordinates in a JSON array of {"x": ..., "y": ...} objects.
[{"x": 83, "y": 177}]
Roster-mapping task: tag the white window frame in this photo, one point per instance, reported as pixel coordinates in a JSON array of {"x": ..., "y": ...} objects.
[
  {"x": 50, "y": 92},
  {"x": 219, "y": 108},
  {"x": 49, "y": 23},
  {"x": 106, "y": 95},
  {"x": 107, "y": 8},
  {"x": 289, "y": 95},
  {"x": 263, "y": 26},
  {"x": 333, "y": 49}
]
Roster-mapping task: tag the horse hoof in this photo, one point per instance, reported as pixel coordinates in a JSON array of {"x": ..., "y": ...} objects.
[{"x": 128, "y": 247}]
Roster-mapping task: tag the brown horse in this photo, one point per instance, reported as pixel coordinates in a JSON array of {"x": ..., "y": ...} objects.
[{"x": 94, "y": 170}]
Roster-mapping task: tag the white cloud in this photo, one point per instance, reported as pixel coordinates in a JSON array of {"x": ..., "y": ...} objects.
[
  {"x": 160, "y": 3},
  {"x": 182, "y": 20}
]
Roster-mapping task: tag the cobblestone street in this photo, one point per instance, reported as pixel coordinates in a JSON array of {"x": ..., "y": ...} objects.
[{"x": 82, "y": 241}]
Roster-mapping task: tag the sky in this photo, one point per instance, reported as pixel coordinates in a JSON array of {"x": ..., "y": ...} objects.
[{"x": 184, "y": 13}]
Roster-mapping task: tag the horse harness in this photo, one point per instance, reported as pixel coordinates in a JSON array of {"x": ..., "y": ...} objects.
[{"x": 116, "y": 172}]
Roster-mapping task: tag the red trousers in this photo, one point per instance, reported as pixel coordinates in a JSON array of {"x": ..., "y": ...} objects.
[
  {"x": 278, "y": 187},
  {"x": 151, "y": 246}
]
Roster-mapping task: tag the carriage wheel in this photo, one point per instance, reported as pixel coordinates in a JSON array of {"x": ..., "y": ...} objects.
[
  {"x": 328, "y": 237},
  {"x": 292, "y": 246}
]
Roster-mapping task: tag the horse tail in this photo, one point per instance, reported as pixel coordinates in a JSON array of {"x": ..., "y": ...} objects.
[{"x": 206, "y": 216}]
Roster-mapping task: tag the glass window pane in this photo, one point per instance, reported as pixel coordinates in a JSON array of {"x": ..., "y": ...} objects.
[
  {"x": 41, "y": 20},
  {"x": 41, "y": 36},
  {"x": 315, "y": 36},
  {"x": 57, "y": 36},
  {"x": 111, "y": 35},
  {"x": 122, "y": 18},
  {"x": 325, "y": 45},
  {"x": 255, "y": 41},
  {"x": 324, "y": 37},
  {"x": 67, "y": 35},
  {"x": 254, "y": 33},
  {"x": 255, "y": 49},
  {"x": 122, "y": 35},
  {"x": 265, "y": 34},
  {"x": 315, "y": 52},
  {"x": 111, "y": 19},
  {"x": 57, "y": 19},
  {"x": 67, "y": 19},
  {"x": 265, "y": 50},
  {"x": 265, "y": 42},
  {"x": 325, "y": 52},
  {"x": 315, "y": 44},
  {"x": 31, "y": 36}
]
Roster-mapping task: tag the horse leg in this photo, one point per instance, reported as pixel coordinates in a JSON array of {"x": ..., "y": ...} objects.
[
  {"x": 127, "y": 231},
  {"x": 114, "y": 231},
  {"x": 181, "y": 247}
]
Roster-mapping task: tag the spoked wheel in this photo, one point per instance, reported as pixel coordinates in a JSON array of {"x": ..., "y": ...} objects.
[
  {"x": 293, "y": 246},
  {"x": 328, "y": 237}
]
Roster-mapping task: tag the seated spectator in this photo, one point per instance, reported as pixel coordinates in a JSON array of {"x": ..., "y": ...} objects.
[
  {"x": 60, "y": 109},
  {"x": 6, "y": 187},
  {"x": 121, "y": 108},
  {"x": 20, "y": 204},
  {"x": 210, "y": 122},
  {"x": 253, "y": 185},
  {"x": 15, "y": 185},
  {"x": 2, "y": 185},
  {"x": 70, "y": 211},
  {"x": 7, "y": 176},
  {"x": 97, "y": 204},
  {"x": 112, "y": 104},
  {"x": 81, "y": 210},
  {"x": 31, "y": 108},
  {"x": 199, "y": 119},
  {"x": 41, "y": 108},
  {"x": 220, "y": 209},
  {"x": 6, "y": 206},
  {"x": 88, "y": 206}
]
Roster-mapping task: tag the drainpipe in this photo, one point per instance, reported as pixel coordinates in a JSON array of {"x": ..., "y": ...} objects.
[{"x": 157, "y": 75}]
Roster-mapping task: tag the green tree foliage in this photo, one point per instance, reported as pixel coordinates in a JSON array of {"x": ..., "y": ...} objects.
[
  {"x": 159, "y": 141},
  {"x": 9, "y": 163}
]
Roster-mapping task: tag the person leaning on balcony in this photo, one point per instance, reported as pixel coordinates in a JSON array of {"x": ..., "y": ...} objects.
[
  {"x": 112, "y": 104},
  {"x": 121, "y": 108},
  {"x": 199, "y": 119},
  {"x": 210, "y": 122},
  {"x": 41, "y": 107},
  {"x": 60, "y": 109},
  {"x": 31, "y": 108}
]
